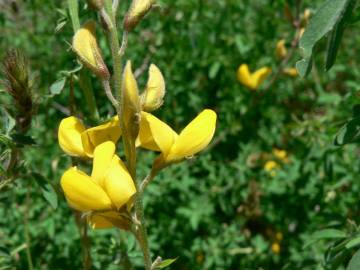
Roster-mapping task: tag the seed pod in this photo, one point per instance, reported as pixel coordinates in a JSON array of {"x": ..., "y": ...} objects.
[
  {"x": 153, "y": 96},
  {"x": 88, "y": 51},
  {"x": 137, "y": 11}
]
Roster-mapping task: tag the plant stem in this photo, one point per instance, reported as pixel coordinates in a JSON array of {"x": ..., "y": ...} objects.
[
  {"x": 129, "y": 143},
  {"x": 26, "y": 228},
  {"x": 141, "y": 233},
  {"x": 84, "y": 77}
]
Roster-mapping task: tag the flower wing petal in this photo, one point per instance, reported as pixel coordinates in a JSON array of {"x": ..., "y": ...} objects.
[
  {"x": 103, "y": 155},
  {"x": 118, "y": 183},
  {"x": 92, "y": 137},
  {"x": 194, "y": 137},
  {"x": 82, "y": 192},
  {"x": 154, "y": 134},
  {"x": 69, "y": 135}
]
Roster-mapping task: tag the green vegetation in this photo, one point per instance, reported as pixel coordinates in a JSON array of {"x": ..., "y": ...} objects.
[{"x": 277, "y": 188}]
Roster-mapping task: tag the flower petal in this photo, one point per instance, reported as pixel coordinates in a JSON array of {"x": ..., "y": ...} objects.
[
  {"x": 194, "y": 137},
  {"x": 260, "y": 75},
  {"x": 103, "y": 155},
  {"x": 69, "y": 136},
  {"x": 154, "y": 134},
  {"x": 153, "y": 96},
  {"x": 82, "y": 192},
  {"x": 108, "y": 220},
  {"x": 244, "y": 76},
  {"x": 118, "y": 183},
  {"x": 92, "y": 137}
]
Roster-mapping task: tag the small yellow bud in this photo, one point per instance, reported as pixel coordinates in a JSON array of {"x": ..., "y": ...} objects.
[
  {"x": 275, "y": 247},
  {"x": 271, "y": 165},
  {"x": 95, "y": 4},
  {"x": 131, "y": 102},
  {"x": 154, "y": 93},
  {"x": 292, "y": 72},
  {"x": 88, "y": 51},
  {"x": 281, "y": 50},
  {"x": 306, "y": 16},
  {"x": 138, "y": 9}
]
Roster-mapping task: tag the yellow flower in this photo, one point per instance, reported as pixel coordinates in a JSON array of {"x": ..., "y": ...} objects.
[
  {"x": 281, "y": 154},
  {"x": 86, "y": 47},
  {"x": 252, "y": 80},
  {"x": 69, "y": 136},
  {"x": 276, "y": 248},
  {"x": 270, "y": 167},
  {"x": 281, "y": 50},
  {"x": 108, "y": 189},
  {"x": 292, "y": 72},
  {"x": 75, "y": 140},
  {"x": 154, "y": 93},
  {"x": 158, "y": 136}
]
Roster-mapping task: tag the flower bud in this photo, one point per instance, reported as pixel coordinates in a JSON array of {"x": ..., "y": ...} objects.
[
  {"x": 281, "y": 50},
  {"x": 138, "y": 9},
  {"x": 95, "y": 4},
  {"x": 153, "y": 96},
  {"x": 130, "y": 102},
  {"x": 88, "y": 51}
]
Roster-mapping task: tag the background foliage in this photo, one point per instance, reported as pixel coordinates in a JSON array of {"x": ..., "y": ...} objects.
[{"x": 221, "y": 210}]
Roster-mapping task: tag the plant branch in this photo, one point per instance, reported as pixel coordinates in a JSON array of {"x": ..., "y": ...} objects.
[{"x": 108, "y": 92}]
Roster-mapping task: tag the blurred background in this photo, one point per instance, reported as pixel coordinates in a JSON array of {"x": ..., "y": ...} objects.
[{"x": 271, "y": 176}]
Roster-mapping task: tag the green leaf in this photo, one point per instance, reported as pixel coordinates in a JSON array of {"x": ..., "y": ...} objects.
[
  {"x": 325, "y": 234},
  {"x": 165, "y": 263},
  {"x": 47, "y": 190},
  {"x": 349, "y": 133},
  {"x": 58, "y": 86},
  {"x": 354, "y": 263},
  {"x": 214, "y": 69},
  {"x": 6, "y": 141},
  {"x": 353, "y": 243},
  {"x": 321, "y": 24},
  {"x": 336, "y": 36}
]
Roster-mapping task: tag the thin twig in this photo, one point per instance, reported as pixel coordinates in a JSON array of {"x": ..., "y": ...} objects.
[
  {"x": 115, "y": 5},
  {"x": 146, "y": 181},
  {"x": 123, "y": 43},
  {"x": 109, "y": 94}
]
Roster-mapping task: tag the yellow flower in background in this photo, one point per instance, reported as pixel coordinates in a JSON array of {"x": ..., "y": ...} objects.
[
  {"x": 281, "y": 50},
  {"x": 276, "y": 248},
  {"x": 270, "y": 166},
  {"x": 75, "y": 140},
  {"x": 108, "y": 189},
  {"x": 87, "y": 49},
  {"x": 252, "y": 80},
  {"x": 158, "y": 136},
  {"x": 292, "y": 72},
  {"x": 281, "y": 155}
]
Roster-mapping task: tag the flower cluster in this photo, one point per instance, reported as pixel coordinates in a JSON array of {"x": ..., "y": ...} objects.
[{"x": 106, "y": 196}]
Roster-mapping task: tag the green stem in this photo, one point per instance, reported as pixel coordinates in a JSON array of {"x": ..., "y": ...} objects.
[
  {"x": 74, "y": 14},
  {"x": 129, "y": 143},
  {"x": 26, "y": 227},
  {"x": 84, "y": 77},
  {"x": 141, "y": 233}
]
